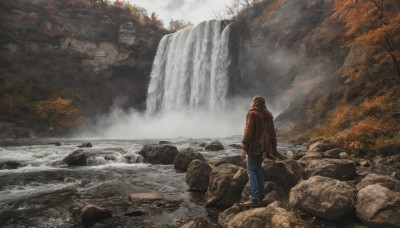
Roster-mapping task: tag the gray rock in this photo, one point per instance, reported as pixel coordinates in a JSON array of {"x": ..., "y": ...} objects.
[
  {"x": 11, "y": 164},
  {"x": 334, "y": 168},
  {"x": 378, "y": 206},
  {"x": 198, "y": 175},
  {"x": 268, "y": 187},
  {"x": 92, "y": 214},
  {"x": 197, "y": 223},
  {"x": 159, "y": 154},
  {"x": 164, "y": 142},
  {"x": 85, "y": 145},
  {"x": 321, "y": 146},
  {"x": 385, "y": 181},
  {"x": 184, "y": 157},
  {"x": 334, "y": 152},
  {"x": 226, "y": 185},
  {"x": 92, "y": 157},
  {"x": 324, "y": 197},
  {"x": 235, "y": 160},
  {"x": 214, "y": 146}
]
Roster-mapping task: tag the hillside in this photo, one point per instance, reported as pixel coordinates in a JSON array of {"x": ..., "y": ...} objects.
[
  {"x": 330, "y": 68},
  {"x": 64, "y": 62}
]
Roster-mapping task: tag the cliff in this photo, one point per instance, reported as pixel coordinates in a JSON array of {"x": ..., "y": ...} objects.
[{"x": 63, "y": 62}]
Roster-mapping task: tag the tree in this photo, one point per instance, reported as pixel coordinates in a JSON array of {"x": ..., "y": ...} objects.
[{"x": 175, "y": 25}]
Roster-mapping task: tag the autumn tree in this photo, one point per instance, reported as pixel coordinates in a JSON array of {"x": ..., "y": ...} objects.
[{"x": 175, "y": 25}]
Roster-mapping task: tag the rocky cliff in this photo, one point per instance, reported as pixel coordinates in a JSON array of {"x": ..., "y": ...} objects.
[{"x": 63, "y": 62}]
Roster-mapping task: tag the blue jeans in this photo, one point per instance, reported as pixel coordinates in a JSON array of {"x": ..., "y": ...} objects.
[{"x": 256, "y": 178}]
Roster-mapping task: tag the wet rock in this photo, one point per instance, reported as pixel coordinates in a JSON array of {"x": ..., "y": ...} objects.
[
  {"x": 145, "y": 197},
  {"x": 285, "y": 174},
  {"x": 271, "y": 216},
  {"x": 85, "y": 157},
  {"x": 378, "y": 206},
  {"x": 92, "y": 214},
  {"x": 164, "y": 142},
  {"x": 214, "y": 146},
  {"x": 229, "y": 214},
  {"x": 385, "y": 181},
  {"x": 236, "y": 146},
  {"x": 321, "y": 146},
  {"x": 159, "y": 154},
  {"x": 334, "y": 152},
  {"x": 226, "y": 185},
  {"x": 85, "y": 145},
  {"x": 135, "y": 212},
  {"x": 184, "y": 157},
  {"x": 324, "y": 197},
  {"x": 339, "y": 169},
  {"x": 11, "y": 164},
  {"x": 198, "y": 175},
  {"x": 197, "y": 223},
  {"x": 235, "y": 160},
  {"x": 202, "y": 144}
]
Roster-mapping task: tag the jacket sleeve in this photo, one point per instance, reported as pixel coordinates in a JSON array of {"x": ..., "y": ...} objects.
[{"x": 248, "y": 131}]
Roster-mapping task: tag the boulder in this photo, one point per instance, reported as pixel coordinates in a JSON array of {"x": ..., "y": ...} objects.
[
  {"x": 344, "y": 155},
  {"x": 214, "y": 146},
  {"x": 184, "y": 157},
  {"x": 268, "y": 187},
  {"x": 321, "y": 146},
  {"x": 159, "y": 154},
  {"x": 334, "y": 152},
  {"x": 92, "y": 157},
  {"x": 385, "y": 181},
  {"x": 202, "y": 144},
  {"x": 85, "y": 145},
  {"x": 197, "y": 223},
  {"x": 226, "y": 185},
  {"x": 271, "y": 216},
  {"x": 334, "y": 168},
  {"x": 378, "y": 206},
  {"x": 235, "y": 160},
  {"x": 92, "y": 214},
  {"x": 228, "y": 214},
  {"x": 198, "y": 175},
  {"x": 164, "y": 142},
  {"x": 145, "y": 197},
  {"x": 11, "y": 164},
  {"x": 285, "y": 174},
  {"x": 236, "y": 146},
  {"x": 324, "y": 197}
]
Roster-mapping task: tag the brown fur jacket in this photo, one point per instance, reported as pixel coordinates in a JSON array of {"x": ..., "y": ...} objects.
[{"x": 259, "y": 133}]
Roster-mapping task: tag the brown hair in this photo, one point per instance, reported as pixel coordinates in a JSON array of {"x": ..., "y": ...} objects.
[{"x": 258, "y": 102}]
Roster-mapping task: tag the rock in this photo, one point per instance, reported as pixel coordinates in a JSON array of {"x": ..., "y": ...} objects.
[
  {"x": 385, "y": 181},
  {"x": 145, "y": 197},
  {"x": 202, "y": 144},
  {"x": 272, "y": 216},
  {"x": 235, "y": 160},
  {"x": 365, "y": 163},
  {"x": 197, "y": 223},
  {"x": 229, "y": 214},
  {"x": 324, "y": 197},
  {"x": 226, "y": 185},
  {"x": 164, "y": 142},
  {"x": 10, "y": 131},
  {"x": 85, "y": 145},
  {"x": 184, "y": 157},
  {"x": 309, "y": 156},
  {"x": 339, "y": 169},
  {"x": 134, "y": 213},
  {"x": 378, "y": 206},
  {"x": 272, "y": 197},
  {"x": 391, "y": 163},
  {"x": 236, "y": 146},
  {"x": 321, "y": 146},
  {"x": 268, "y": 187},
  {"x": 214, "y": 146},
  {"x": 344, "y": 155},
  {"x": 57, "y": 144},
  {"x": 198, "y": 175},
  {"x": 11, "y": 164},
  {"x": 334, "y": 152},
  {"x": 285, "y": 174},
  {"x": 92, "y": 214},
  {"x": 159, "y": 154},
  {"x": 92, "y": 157},
  {"x": 355, "y": 225},
  {"x": 126, "y": 34}
]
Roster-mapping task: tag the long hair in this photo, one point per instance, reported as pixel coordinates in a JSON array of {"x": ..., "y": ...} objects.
[{"x": 258, "y": 103}]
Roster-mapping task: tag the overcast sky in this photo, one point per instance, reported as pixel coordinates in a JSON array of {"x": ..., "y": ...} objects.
[{"x": 190, "y": 10}]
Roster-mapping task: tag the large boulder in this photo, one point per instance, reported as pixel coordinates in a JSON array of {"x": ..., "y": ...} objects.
[
  {"x": 159, "y": 154},
  {"x": 321, "y": 146},
  {"x": 334, "y": 168},
  {"x": 93, "y": 157},
  {"x": 198, "y": 175},
  {"x": 226, "y": 185},
  {"x": 92, "y": 214},
  {"x": 378, "y": 206},
  {"x": 385, "y": 181},
  {"x": 235, "y": 160},
  {"x": 285, "y": 174},
  {"x": 271, "y": 216},
  {"x": 214, "y": 146},
  {"x": 324, "y": 197},
  {"x": 184, "y": 157}
]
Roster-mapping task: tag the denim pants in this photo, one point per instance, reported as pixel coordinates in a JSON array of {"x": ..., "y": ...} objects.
[{"x": 256, "y": 178}]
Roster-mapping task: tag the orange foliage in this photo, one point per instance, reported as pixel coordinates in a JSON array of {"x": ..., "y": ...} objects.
[{"x": 59, "y": 113}]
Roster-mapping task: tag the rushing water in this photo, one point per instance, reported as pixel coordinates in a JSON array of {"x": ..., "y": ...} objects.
[{"x": 190, "y": 70}]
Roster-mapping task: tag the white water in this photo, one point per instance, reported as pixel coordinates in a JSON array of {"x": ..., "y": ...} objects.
[{"x": 190, "y": 70}]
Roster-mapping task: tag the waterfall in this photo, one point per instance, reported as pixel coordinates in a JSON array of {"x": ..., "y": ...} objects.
[{"x": 190, "y": 70}]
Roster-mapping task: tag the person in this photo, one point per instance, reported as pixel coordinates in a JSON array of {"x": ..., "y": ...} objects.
[{"x": 259, "y": 138}]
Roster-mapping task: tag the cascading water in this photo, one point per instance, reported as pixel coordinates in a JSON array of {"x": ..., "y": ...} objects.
[{"x": 190, "y": 70}]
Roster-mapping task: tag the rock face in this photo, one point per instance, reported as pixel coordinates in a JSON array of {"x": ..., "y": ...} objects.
[
  {"x": 385, "y": 181},
  {"x": 92, "y": 214},
  {"x": 198, "y": 175},
  {"x": 10, "y": 131},
  {"x": 324, "y": 197},
  {"x": 225, "y": 187},
  {"x": 271, "y": 216},
  {"x": 159, "y": 154},
  {"x": 378, "y": 206},
  {"x": 334, "y": 168},
  {"x": 214, "y": 146},
  {"x": 184, "y": 157}
]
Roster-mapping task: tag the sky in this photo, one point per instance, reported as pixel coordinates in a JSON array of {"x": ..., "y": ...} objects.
[{"x": 194, "y": 11}]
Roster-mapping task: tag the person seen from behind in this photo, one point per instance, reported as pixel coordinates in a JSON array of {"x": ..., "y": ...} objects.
[{"x": 259, "y": 139}]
